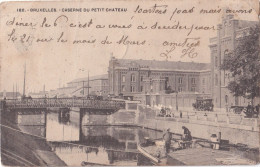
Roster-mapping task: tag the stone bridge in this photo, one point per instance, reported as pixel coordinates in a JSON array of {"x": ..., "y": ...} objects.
[{"x": 39, "y": 103}]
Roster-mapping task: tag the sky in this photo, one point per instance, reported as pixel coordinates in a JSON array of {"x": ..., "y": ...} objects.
[{"x": 54, "y": 64}]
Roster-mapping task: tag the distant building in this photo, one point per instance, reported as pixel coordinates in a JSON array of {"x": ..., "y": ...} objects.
[
  {"x": 230, "y": 31},
  {"x": 40, "y": 94},
  {"x": 98, "y": 85},
  {"x": 10, "y": 95}
]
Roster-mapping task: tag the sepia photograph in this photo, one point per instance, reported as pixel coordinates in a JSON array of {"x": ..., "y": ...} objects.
[{"x": 129, "y": 83}]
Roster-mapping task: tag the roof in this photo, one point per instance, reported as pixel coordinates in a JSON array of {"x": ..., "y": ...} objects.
[
  {"x": 163, "y": 65},
  {"x": 96, "y": 77}
]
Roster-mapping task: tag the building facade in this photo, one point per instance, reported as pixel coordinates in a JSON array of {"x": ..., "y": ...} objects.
[
  {"x": 187, "y": 79},
  {"x": 98, "y": 85},
  {"x": 152, "y": 81},
  {"x": 157, "y": 77},
  {"x": 229, "y": 33}
]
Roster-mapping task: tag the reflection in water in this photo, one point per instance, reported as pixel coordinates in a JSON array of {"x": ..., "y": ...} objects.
[
  {"x": 32, "y": 122},
  {"x": 65, "y": 130},
  {"x": 80, "y": 145}
]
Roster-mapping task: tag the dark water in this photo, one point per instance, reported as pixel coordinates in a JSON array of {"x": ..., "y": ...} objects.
[{"x": 80, "y": 145}]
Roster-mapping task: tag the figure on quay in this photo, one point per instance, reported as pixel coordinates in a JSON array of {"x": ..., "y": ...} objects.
[
  {"x": 167, "y": 137},
  {"x": 186, "y": 134}
]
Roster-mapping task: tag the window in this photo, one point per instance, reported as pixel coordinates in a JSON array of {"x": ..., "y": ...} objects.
[
  {"x": 193, "y": 80},
  {"x": 236, "y": 101},
  {"x": 193, "y": 89},
  {"x": 123, "y": 78},
  {"x": 203, "y": 81},
  {"x": 132, "y": 88},
  {"x": 180, "y": 89},
  {"x": 142, "y": 88},
  {"x": 132, "y": 78},
  {"x": 216, "y": 79},
  {"x": 123, "y": 88},
  {"x": 142, "y": 78},
  {"x": 180, "y": 80},
  {"x": 166, "y": 84},
  {"x": 226, "y": 99},
  {"x": 216, "y": 61}
]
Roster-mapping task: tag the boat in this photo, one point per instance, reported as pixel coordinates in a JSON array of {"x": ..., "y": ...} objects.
[
  {"x": 154, "y": 150},
  {"x": 85, "y": 163},
  {"x": 201, "y": 152}
]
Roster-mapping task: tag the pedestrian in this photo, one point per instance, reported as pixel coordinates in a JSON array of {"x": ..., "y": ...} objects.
[
  {"x": 249, "y": 109},
  {"x": 257, "y": 109},
  {"x": 180, "y": 114},
  {"x": 167, "y": 137}
]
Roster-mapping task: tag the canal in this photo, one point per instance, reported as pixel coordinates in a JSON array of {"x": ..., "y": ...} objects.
[
  {"x": 73, "y": 138},
  {"x": 35, "y": 136}
]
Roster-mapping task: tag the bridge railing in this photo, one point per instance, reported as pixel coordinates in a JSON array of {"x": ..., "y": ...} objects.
[{"x": 64, "y": 102}]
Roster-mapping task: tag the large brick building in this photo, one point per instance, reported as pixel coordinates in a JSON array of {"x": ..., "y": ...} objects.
[
  {"x": 229, "y": 33},
  {"x": 149, "y": 76},
  {"x": 151, "y": 80}
]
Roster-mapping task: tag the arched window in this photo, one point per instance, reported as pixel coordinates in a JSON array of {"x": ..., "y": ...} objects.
[
  {"x": 123, "y": 88},
  {"x": 226, "y": 99}
]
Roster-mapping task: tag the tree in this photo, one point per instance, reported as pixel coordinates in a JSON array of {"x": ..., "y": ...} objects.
[{"x": 244, "y": 65}]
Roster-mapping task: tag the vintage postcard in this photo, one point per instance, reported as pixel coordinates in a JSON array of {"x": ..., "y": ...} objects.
[{"x": 129, "y": 83}]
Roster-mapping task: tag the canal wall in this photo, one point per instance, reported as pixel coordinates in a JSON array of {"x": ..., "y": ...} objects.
[{"x": 233, "y": 127}]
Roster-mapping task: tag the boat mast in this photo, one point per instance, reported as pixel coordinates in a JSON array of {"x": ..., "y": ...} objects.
[
  {"x": 24, "y": 79},
  {"x": 16, "y": 91},
  {"x": 13, "y": 91},
  {"x": 88, "y": 83}
]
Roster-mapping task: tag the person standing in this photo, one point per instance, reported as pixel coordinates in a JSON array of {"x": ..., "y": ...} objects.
[
  {"x": 249, "y": 110},
  {"x": 186, "y": 137},
  {"x": 167, "y": 137},
  {"x": 257, "y": 109},
  {"x": 180, "y": 114},
  {"x": 186, "y": 134}
]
